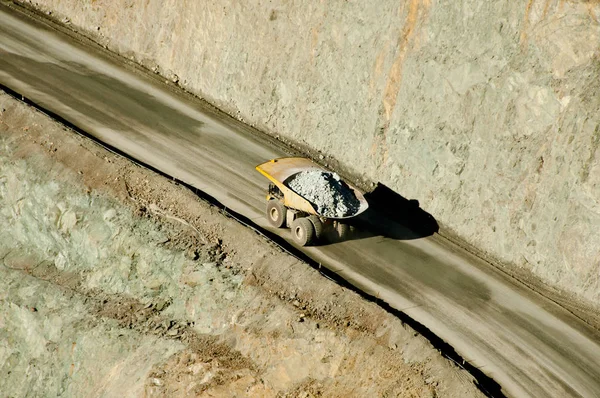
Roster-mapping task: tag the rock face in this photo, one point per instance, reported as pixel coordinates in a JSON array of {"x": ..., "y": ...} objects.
[{"x": 486, "y": 112}]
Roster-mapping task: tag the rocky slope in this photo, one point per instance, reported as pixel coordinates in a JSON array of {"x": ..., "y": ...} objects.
[
  {"x": 116, "y": 282},
  {"x": 485, "y": 112}
]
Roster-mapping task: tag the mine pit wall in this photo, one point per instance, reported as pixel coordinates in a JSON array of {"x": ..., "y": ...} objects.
[{"x": 486, "y": 112}]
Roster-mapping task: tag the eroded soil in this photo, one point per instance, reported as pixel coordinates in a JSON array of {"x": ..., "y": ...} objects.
[{"x": 116, "y": 282}]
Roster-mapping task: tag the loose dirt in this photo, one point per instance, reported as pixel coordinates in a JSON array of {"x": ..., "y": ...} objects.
[{"x": 115, "y": 281}]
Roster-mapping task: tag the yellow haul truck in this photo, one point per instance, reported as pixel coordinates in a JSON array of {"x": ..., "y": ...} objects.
[{"x": 286, "y": 208}]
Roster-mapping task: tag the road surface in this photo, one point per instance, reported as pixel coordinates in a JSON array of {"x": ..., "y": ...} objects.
[{"x": 527, "y": 344}]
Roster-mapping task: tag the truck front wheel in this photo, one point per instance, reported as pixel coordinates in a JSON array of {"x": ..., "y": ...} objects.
[{"x": 276, "y": 213}]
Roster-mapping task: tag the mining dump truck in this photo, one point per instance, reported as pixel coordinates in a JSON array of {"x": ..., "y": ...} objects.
[{"x": 311, "y": 201}]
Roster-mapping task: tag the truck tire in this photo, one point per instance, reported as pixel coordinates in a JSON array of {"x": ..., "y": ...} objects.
[
  {"x": 303, "y": 231},
  {"x": 343, "y": 231},
  {"x": 318, "y": 225},
  {"x": 276, "y": 213}
]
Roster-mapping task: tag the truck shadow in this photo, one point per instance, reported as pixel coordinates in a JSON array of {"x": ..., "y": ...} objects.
[{"x": 390, "y": 215}]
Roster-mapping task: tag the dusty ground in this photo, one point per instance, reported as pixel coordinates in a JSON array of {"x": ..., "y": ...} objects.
[{"x": 115, "y": 281}]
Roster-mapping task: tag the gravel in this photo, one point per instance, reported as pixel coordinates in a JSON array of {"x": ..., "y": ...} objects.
[{"x": 332, "y": 196}]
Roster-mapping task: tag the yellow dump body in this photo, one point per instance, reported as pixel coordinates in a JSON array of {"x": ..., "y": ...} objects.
[{"x": 278, "y": 171}]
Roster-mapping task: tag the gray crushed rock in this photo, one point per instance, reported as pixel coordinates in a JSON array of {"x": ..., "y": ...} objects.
[{"x": 332, "y": 196}]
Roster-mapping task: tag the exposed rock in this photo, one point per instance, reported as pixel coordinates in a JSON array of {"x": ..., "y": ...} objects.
[{"x": 452, "y": 103}]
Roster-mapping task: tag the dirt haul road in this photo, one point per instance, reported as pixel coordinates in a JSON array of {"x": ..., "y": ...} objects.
[{"x": 526, "y": 343}]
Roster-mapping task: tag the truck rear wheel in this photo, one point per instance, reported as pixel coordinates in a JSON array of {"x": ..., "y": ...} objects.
[
  {"x": 276, "y": 213},
  {"x": 343, "y": 231},
  {"x": 318, "y": 225},
  {"x": 303, "y": 231}
]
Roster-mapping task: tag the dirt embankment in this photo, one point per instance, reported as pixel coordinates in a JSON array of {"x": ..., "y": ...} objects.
[
  {"x": 485, "y": 112},
  {"x": 116, "y": 282}
]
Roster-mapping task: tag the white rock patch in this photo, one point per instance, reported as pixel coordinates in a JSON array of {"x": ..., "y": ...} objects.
[{"x": 332, "y": 196}]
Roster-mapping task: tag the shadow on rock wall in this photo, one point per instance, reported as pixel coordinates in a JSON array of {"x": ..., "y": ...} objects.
[{"x": 393, "y": 216}]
